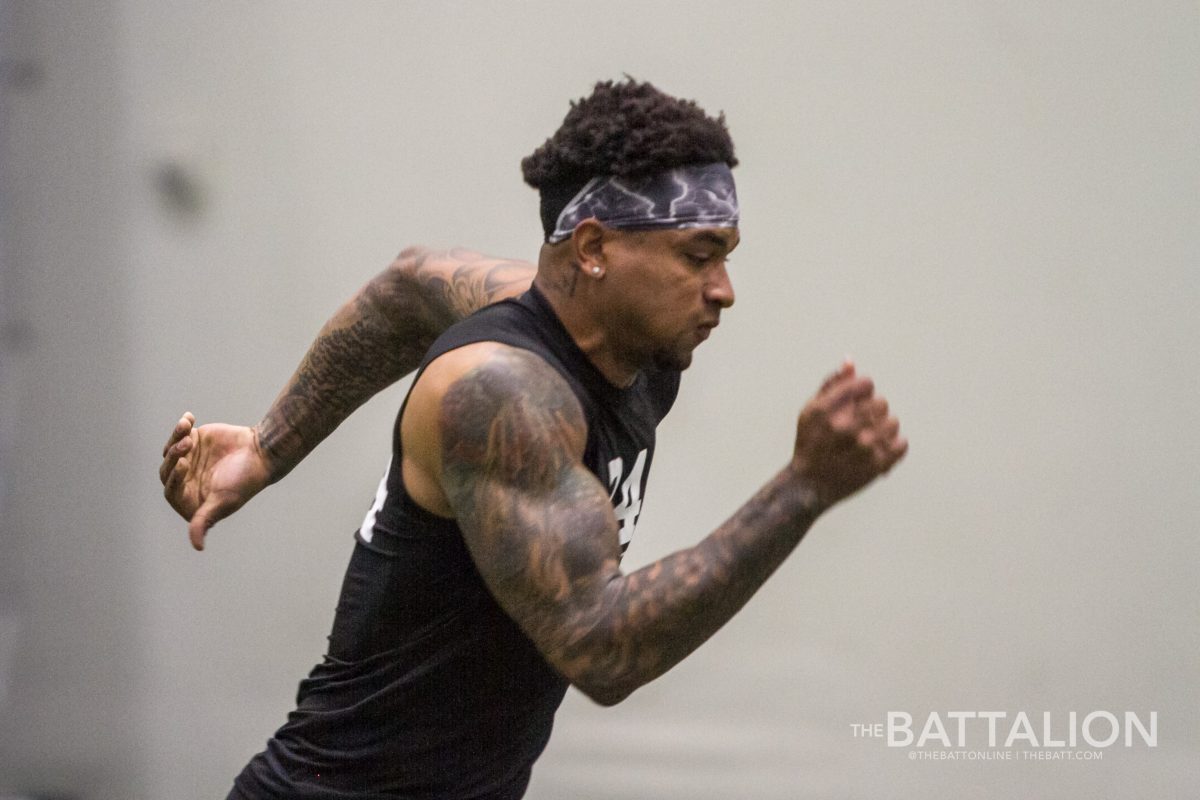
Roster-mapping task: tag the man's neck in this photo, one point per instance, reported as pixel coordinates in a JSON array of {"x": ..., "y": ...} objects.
[{"x": 572, "y": 303}]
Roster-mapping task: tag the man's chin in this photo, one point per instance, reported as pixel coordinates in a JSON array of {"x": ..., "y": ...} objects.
[{"x": 672, "y": 360}]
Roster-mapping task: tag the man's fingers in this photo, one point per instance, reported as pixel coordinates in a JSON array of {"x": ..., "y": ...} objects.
[
  {"x": 842, "y": 372},
  {"x": 880, "y": 440},
  {"x": 896, "y": 451},
  {"x": 890, "y": 446},
  {"x": 873, "y": 410},
  {"x": 849, "y": 391},
  {"x": 174, "y": 437},
  {"x": 179, "y": 443},
  {"x": 173, "y": 483},
  {"x": 174, "y": 453},
  {"x": 172, "y": 456},
  {"x": 180, "y": 430}
]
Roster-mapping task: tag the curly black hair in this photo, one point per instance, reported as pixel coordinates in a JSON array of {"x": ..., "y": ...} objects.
[{"x": 627, "y": 128}]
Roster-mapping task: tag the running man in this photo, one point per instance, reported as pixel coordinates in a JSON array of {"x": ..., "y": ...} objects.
[{"x": 486, "y": 575}]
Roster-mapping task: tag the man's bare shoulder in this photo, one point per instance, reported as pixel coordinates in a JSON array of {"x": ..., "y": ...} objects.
[
  {"x": 512, "y": 409},
  {"x": 495, "y": 371},
  {"x": 488, "y": 411}
]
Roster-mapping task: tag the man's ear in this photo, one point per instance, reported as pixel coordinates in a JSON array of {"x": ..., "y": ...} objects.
[{"x": 587, "y": 247}]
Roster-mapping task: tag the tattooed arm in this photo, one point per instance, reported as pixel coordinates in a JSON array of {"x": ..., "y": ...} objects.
[
  {"x": 507, "y": 443},
  {"x": 378, "y": 337},
  {"x": 373, "y": 340}
]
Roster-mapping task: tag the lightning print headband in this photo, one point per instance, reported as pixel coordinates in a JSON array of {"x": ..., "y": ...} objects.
[{"x": 694, "y": 196}]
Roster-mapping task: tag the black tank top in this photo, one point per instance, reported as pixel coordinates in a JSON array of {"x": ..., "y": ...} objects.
[{"x": 429, "y": 689}]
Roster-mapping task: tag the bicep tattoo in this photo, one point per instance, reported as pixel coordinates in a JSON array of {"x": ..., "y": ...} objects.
[{"x": 539, "y": 525}]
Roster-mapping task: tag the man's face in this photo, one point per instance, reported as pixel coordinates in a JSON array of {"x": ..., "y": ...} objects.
[{"x": 668, "y": 289}]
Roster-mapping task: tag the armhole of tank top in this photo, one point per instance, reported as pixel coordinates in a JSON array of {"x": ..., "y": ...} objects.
[
  {"x": 407, "y": 503},
  {"x": 389, "y": 485}
]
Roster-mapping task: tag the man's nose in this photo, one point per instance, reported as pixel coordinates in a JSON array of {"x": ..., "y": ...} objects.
[{"x": 719, "y": 288}]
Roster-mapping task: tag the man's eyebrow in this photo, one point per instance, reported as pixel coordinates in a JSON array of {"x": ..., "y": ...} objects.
[{"x": 713, "y": 238}]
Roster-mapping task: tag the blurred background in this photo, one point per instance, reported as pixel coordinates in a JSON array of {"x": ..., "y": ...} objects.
[{"x": 994, "y": 206}]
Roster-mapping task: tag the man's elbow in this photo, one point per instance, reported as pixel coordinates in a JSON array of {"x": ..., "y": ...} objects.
[
  {"x": 605, "y": 689},
  {"x": 408, "y": 263},
  {"x": 401, "y": 295},
  {"x": 604, "y": 692}
]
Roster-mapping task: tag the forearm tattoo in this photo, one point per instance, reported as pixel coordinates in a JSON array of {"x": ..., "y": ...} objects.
[
  {"x": 375, "y": 339},
  {"x": 541, "y": 529}
]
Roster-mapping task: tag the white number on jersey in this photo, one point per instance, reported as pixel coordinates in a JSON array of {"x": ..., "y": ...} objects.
[{"x": 626, "y": 495}]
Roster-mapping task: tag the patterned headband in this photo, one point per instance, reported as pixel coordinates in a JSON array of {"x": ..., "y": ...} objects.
[{"x": 695, "y": 196}]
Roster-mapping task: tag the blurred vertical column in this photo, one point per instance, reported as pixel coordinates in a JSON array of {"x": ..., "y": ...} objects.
[
  {"x": 69, "y": 582},
  {"x": 18, "y": 74}
]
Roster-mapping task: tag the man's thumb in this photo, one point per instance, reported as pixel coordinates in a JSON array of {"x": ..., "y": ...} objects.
[{"x": 205, "y": 517}]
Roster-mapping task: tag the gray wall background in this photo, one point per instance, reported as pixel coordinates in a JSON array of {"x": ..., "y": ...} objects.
[{"x": 992, "y": 206}]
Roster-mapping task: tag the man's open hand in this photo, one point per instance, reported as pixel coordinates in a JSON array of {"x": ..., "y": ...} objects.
[
  {"x": 845, "y": 437},
  {"x": 209, "y": 472}
]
